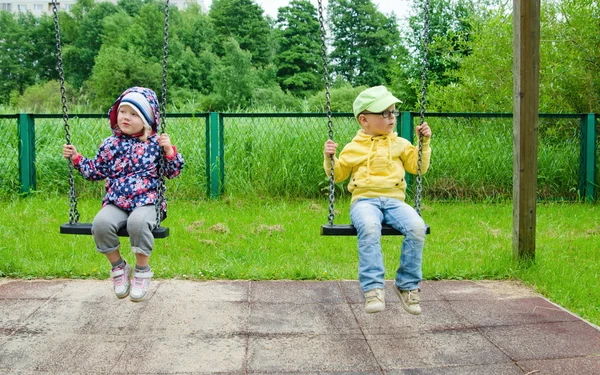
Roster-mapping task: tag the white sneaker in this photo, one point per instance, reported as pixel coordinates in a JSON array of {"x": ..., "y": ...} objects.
[
  {"x": 139, "y": 285},
  {"x": 410, "y": 300},
  {"x": 375, "y": 300},
  {"x": 120, "y": 278}
]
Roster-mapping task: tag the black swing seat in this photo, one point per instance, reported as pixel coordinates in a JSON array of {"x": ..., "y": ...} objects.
[
  {"x": 86, "y": 229},
  {"x": 349, "y": 230}
]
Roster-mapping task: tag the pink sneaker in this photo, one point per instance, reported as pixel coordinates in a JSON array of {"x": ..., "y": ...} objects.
[
  {"x": 140, "y": 284},
  {"x": 120, "y": 278}
]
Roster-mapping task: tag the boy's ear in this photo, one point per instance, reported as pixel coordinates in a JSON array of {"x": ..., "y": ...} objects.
[{"x": 362, "y": 119}]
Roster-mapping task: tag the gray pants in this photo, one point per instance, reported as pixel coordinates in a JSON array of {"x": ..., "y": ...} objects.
[{"x": 139, "y": 222}]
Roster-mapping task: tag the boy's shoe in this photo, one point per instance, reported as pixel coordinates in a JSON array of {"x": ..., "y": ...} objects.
[
  {"x": 374, "y": 300},
  {"x": 140, "y": 284},
  {"x": 410, "y": 300},
  {"x": 120, "y": 278}
]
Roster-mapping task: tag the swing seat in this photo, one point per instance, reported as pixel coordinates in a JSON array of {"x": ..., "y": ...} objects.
[
  {"x": 86, "y": 229},
  {"x": 349, "y": 230}
]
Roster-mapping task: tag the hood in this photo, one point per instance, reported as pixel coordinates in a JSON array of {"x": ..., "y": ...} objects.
[{"x": 148, "y": 94}]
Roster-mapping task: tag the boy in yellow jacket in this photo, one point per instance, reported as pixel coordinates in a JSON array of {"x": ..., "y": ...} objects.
[{"x": 378, "y": 160}]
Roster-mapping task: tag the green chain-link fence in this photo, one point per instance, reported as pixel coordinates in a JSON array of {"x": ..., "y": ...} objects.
[{"x": 282, "y": 154}]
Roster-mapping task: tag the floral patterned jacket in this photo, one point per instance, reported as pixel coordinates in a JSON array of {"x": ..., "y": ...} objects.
[{"x": 130, "y": 166}]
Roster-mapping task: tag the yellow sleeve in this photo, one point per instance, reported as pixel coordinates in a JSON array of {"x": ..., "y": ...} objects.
[
  {"x": 341, "y": 172},
  {"x": 410, "y": 157}
]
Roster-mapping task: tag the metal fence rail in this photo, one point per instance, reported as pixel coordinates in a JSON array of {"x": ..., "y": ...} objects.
[{"x": 280, "y": 154}]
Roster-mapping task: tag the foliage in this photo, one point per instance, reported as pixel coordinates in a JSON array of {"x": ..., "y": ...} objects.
[
  {"x": 484, "y": 81},
  {"x": 107, "y": 47},
  {"x": 243, "y": 20},
  {"x": 298, "y": 57},
  {"x": 363, "y": 39},
  {"x": 43, "y": 98}
]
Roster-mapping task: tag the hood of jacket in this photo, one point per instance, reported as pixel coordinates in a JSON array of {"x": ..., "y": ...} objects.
[{"x": 148, "y": 94}]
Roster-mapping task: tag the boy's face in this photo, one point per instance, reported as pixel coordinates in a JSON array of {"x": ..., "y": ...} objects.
[
  {"x": 375, "y": 124},
  {"x": 129, "y": 121}
]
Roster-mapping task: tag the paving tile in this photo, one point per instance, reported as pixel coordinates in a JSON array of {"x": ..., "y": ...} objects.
[
  {"x": 494, "y": 369},
  {"x": 310, "y": 353},
  {"x": 193, "y": 317},
  {"x": 85, "y": 317},
  {"x": 321, "y": 373},
  {"x": 354, "y": 293},
  {"x": 61, "y": 353},
  {"x": 546, "y": 340},
  {"x": 436, "y": 316},
  {"x": 435, "y": 349},
  {"x": 577, "y": 365},
  {"x": 152, "y": 354},
  {"x": 36, "y": 289},
  {"x": 510, "y": 311},
  {"x": 296, "y": 292},
  {"x": 274, "y": 318},
  {"x": 15, "y": 311},
  {"x": 481, "y": 290},
  {"x": 203, "y": 291}
]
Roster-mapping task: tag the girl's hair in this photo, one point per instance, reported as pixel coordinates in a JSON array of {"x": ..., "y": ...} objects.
[{"x": 147, "y": 132}]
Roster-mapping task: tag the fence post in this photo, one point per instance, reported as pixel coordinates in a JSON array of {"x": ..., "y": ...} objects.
[
  {"x": 590, "y": 157},
  {"x": 26, "y": 152},
  {"x": 221, "y": 156},
  {"x": 212, "y": 156},
  {"x": 407, "y": 130}
]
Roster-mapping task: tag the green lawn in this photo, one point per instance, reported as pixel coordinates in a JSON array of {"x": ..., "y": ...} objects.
[{"x": 279, "y": 239}]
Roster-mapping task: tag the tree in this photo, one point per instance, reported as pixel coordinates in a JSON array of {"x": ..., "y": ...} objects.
[
  {"x": 117, "y": 69},
  {"x": 449, "y": 36},
  {"x": 233, "y": 78},
  {"x": 243, "y": 20},
  {"x": 363, "y": 41},
  {"x": 81, "y": 52},
  {"x": 298, "y": 60}
]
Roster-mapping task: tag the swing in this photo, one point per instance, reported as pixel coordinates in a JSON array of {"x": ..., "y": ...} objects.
[
  {"x": 74, "y": 226},
  {"x": 331, "y": 229}
]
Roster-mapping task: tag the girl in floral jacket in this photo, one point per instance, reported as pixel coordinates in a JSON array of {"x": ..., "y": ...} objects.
[{"x": 128, "y": 161}]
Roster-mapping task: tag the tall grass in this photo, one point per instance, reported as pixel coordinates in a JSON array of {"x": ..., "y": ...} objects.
[{"x": 255, "y": 238}]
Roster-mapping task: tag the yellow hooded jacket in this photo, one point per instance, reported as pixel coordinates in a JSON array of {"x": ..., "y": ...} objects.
[{"x": 378, "y": 165}]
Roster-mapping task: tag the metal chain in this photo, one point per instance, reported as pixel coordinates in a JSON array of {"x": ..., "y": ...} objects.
[
  {"x": 425, "y": 44},
  {"x": 73, "y": 212},
  {"x": 331, "y": 215},
  {"x": 163, "y": 114}
]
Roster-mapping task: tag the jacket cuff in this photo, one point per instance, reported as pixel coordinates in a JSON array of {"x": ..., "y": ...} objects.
[
  {"x": 172, "y": 157},
  {"x": 77, "y": 159}
]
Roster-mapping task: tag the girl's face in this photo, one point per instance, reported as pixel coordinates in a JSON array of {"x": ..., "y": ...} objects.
[
  {"x": 129, "y": 121},
  {"x": 376, "y": 124}
]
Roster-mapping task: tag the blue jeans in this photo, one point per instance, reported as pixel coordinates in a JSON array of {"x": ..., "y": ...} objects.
[{"x": 367, "y": 215}]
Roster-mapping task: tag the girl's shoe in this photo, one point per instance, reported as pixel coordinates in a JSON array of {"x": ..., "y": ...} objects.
[
  {"x": 120, "y": 278},
  {"x": 140, "y": 284}
]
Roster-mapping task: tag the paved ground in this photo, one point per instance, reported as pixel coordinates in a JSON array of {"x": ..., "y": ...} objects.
[{"x": 66, "y": 327}]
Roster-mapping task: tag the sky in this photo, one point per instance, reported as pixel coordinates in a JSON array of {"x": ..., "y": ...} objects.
[{"x": 401, "y": 7}]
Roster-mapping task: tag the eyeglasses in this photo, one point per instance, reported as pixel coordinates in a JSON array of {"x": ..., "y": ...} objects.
[{"x": 384, "y": 114}]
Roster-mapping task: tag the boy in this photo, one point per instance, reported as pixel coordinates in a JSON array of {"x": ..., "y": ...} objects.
[{"x": 378, "y": 159}]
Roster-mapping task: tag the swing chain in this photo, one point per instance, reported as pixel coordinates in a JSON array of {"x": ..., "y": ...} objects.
[
  {"x": 73, "y": 212},
  {"x": 331, "y": 215},
  {"x": 163, "y": 105},
  {"x": 424, "y": 41}
]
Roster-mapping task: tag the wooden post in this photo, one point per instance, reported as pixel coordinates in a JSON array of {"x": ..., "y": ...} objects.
[{"x": 526, "y": 67}]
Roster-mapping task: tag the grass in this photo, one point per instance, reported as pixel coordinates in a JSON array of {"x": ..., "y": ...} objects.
[{"x": 262, "y": 239}]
